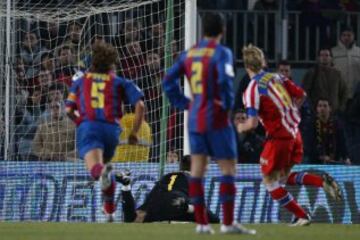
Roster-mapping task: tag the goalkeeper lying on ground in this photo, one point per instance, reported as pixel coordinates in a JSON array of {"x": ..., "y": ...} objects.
[{"x": 167, "y": 201}]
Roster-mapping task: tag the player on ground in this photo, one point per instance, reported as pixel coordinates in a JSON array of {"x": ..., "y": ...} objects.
[
  {"x": 94, "y": 104},
  {"x": 275, "y": 100},
  {"x": 167, "y": 201},
  {"x": 209, "y": 67}
]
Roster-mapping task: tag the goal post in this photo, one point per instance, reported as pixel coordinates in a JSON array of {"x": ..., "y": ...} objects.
[
  {"x": 78, "y": 25},
  {"x": 43, "y": 45}
]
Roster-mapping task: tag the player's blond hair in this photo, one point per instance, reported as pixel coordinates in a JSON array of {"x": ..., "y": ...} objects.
[{"x": 253, "y": 58}]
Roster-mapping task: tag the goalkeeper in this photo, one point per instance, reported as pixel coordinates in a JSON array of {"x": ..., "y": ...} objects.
[{"x": 167, "y": 201}]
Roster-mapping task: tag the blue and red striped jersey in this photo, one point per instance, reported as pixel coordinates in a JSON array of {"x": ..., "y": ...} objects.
[
  {"x": 99, "y": 97},
  {"x": 209, "y": 68}
]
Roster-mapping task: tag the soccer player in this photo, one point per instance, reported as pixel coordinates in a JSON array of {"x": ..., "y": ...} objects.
[
  {"x": 167, "y": 201},
  {"x": 275, "y": 100},
  {"x": 209, "y": 67},
  {"x": 94, "y": 104}
]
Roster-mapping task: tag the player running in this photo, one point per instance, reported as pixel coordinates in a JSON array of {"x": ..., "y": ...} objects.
[
  {"x": 275, "y": 100},
  {"x": 94, "y": 104},
  {"x": 209, "y": 67}
]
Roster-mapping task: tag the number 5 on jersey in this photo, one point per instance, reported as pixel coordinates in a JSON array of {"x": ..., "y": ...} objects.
[
  {"x": 196, "y": 83},
  {"x": 97, "y": 95}
]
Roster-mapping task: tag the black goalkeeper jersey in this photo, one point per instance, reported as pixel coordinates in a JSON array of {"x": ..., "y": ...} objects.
[{"x": 175, "y": 181}]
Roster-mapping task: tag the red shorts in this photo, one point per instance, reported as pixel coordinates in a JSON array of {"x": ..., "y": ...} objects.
[{"x": 281, "y": 154}]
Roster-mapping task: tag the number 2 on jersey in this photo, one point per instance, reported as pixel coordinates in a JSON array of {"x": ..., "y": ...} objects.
[
  {"x": 196, "y": 85},
  {"x": 172, "y": 182},
  {"x": 97, "y": 94}
]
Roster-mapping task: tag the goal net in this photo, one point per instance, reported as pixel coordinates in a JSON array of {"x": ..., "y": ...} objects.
[{"x": 45, "y": 45}]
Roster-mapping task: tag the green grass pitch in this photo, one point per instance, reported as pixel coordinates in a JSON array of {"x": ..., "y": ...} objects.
[{"x": 164, "y": 231}]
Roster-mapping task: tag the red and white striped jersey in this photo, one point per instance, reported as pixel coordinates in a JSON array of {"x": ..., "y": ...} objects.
[{"x": 270, "y": 97}]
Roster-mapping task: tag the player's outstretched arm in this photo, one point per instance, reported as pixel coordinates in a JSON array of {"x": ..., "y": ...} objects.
[
  {"x": 171, "y": 85},
  {"x": 70, "y": 103},
  {"x": 139, "y": 117}
]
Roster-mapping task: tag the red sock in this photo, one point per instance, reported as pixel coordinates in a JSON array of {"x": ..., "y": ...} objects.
[
  {"x": 196, "y": 194},
  {"x": 108, "y": 196},
  {"x": 227, "y": 196},
  {"x": 303, "y": 178},
  {"x": 286, "y": 200},
  {"x": 96, "y": 171}
]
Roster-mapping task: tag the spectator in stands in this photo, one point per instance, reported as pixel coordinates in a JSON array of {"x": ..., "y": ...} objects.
[
  {"x": 132, "y": 62},
  {"x": 324, "y": 81},
  {"x": 25, "y": 131},
  {"x": 284, "y": 68},
  {"x": 52, "y": 34},
  {"x": 30, "y": 53},
  {"x": 55, "y": 93},
  {"x": 66, "y": 65},
  {"x": 172, "y": 156},
  {"x": 249, "y": 144},
  {"x": 73, "y": 38},
  {"x": 45, "y": 80},
  {"x": 324, "y": 137},
  {"x": 131, "y": 31},
  {"x": 48, "y": 62},
  {"x": 55, "y": 140},
  {"x": 347, "y": 59},
  {"x": 156, "y": 39},
  {"x": 126, "y": 152}
]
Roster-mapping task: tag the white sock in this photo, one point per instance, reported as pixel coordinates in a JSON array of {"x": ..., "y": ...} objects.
[
  {"x": 126, "y": 188},
  {"x": 190, "y": 208}
]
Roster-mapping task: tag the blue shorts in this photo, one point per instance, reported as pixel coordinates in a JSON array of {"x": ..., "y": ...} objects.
[
  {"x": 220, "y": 144},
  {"x": 92, "y": 135}
]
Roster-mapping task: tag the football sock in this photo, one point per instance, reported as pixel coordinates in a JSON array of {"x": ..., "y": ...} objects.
[
  {"x": 128, "y": 206},
  {"x": 286, "y": 200},
  {"x": 303, "y": 178},
  {"x": 227, "y": 196},
  {"x": 108, "y": 197},
  {"x": 196, "y": 194},
  {"x": 95, "y": 171}
]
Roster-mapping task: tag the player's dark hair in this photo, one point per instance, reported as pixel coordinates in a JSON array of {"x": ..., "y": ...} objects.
[
  {"x": 347, "y": 28},
  {"x": 213, "y": 24},
  {"x": 65, "y": 47},
  {"x": 324, "y": 99},
  {"x": 325, "y": 48},
  {"x": 104, "y": 57},
  {"x": 283, "y": 62},
  {"x": 185, "y": 163}
]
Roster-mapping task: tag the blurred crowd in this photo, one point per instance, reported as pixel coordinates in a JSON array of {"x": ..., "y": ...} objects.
[
  {"x": 49, "y": 54},
  {"x": 49, "y": 57}
]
